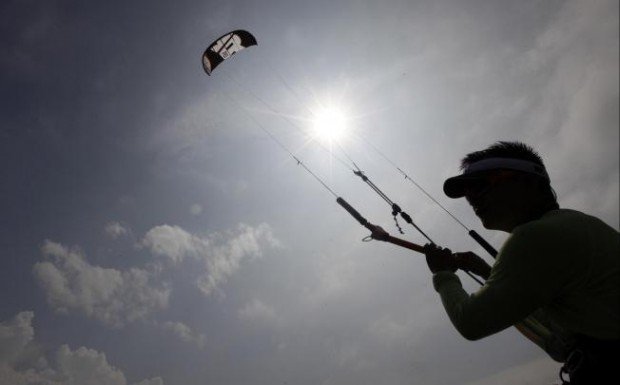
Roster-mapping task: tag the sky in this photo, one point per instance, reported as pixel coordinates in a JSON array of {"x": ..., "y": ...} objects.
[{"x": 152, "y": 232}]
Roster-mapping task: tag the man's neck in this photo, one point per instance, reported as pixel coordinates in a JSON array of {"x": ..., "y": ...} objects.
[{"x": 532, "y": 215}]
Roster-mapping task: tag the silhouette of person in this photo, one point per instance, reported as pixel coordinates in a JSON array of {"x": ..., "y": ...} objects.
[{"x": 559, "y": 264}]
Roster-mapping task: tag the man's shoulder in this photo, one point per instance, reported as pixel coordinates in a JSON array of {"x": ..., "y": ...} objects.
[
  {"x": 554, "y": 226},
  {"x": 559, "y": 220},
  {"x": 557, "y": 233},
  {"x": 565, "y": 225},
  {"x": 565, "y": 215}
]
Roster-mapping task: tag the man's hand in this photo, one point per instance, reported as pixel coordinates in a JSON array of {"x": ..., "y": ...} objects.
[
  {"x": 439, "y": 259},
  {"x": 471, "y": 262},
  {"x": 378, "y": 233}
]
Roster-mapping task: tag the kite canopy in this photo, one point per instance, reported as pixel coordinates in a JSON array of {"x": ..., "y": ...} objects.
[{"x": 224, "y": 47}]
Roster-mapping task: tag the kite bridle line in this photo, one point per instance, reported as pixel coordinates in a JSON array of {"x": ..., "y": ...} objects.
[
  {"x": 355, "y": 169},
  {"x": 395, "y": 208},
  {"x": 343, "y": 203},
  {"x": 358, "y": 172}
]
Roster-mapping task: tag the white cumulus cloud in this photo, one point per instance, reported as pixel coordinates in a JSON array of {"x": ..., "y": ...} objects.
[
  {"x": 173, "y": 242},
  {"x": 185, "y": 333},
  {"x": 81, "y": 366},
  {"x": 112, "y": 296},
  {"x": 116, "y": 230},
  {"x": 221, "y": 253},
  {"x": 15, "y": 335},
  {"x": 224, "y": 258}
]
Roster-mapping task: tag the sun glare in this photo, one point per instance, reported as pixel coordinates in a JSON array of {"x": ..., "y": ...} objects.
[{"x": 329, "y": 124}]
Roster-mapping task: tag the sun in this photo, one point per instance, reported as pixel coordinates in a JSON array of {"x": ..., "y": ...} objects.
[{"x": 329, "y": 124}]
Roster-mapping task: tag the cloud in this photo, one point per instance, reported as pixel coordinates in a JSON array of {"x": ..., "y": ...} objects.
[
  {"x": 575, "y": 107},
  {"x": 221, "y": 253},
  {"x": 185, "y": 333},
  {"x": 195, "y": 209},
  {"x": 81, "y": 366},
  {"x": 15, "y": 335},
  {"x": 85, "y": 366},
  {"x": 114, "y": 297},
  {"x": 173, "y": 242},
  {"x": 224, "y": 258},
  {"x": 116, "y": 230},
  {"x": 257, "y": 311},
  {"x": 118, "y": 297}
]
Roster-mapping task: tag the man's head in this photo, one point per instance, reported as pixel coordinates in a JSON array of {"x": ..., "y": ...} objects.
[{"x": 506, "y": 184}]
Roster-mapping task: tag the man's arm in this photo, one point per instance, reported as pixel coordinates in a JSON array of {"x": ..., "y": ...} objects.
[{"x": 523, "y": 279}]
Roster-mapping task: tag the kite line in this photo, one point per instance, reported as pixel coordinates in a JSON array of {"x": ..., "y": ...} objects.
[
  {"x": 226, "y": 46},
  {"x": 396, "y": 210}
]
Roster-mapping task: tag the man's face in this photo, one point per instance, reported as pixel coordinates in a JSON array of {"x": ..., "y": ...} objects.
[{"x": 495, "y": 198}]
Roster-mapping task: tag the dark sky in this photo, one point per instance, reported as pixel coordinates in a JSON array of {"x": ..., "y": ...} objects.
[{"x": 152, "y": 233}]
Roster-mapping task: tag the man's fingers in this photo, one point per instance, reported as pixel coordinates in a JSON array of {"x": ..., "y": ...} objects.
[
  {"x": 467, "y": 255},
  {"x": 469, "y": 261},
  {"x": 378, "y": 233},
  {"x": 431, "y": 248},
  {"x": 466, "y": 258}
]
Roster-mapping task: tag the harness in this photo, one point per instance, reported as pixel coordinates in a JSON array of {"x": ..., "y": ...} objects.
[{"x": 592, "y": 361}]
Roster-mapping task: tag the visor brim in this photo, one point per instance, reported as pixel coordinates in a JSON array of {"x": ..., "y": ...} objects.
[{"x": 455, "y": 187}]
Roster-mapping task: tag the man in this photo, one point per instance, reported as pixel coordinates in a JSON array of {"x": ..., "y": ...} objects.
[{"x": 561, "y": 264}]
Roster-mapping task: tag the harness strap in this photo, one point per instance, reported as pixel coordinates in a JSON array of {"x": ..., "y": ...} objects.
[{"x": 592, "y": 361}]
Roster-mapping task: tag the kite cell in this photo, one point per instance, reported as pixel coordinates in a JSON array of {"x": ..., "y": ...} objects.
[{"x": 224, "y": 47}]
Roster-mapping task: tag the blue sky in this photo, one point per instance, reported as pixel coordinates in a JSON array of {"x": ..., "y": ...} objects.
[{"x": 152, "y": 233}]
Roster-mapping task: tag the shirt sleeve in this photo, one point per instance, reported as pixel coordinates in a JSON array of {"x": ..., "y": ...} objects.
[{"x": 526, "y": 276}]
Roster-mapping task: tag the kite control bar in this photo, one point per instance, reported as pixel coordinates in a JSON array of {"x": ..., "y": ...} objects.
[
  {"x": 363, "y": 221},
  {"x": 380, "y": 236}
]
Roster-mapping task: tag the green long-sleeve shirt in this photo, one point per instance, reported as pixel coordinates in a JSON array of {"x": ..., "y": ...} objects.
[{"x": 565, "y": 264}]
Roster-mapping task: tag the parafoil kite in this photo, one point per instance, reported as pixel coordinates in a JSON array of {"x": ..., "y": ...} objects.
[{"x": 224, "y": 47}]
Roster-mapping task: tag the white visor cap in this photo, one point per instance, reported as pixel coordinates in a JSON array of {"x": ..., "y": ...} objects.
[{"x": 455, "y": 187}]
